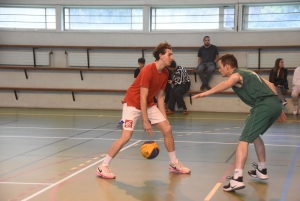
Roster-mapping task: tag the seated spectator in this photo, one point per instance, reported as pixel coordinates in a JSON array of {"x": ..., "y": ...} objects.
[
  {"x": 182, "y": 83},
  {"x": 278, "y": 76},
  {"x": 296, "y": 90},
  {"x": 141, "y": 63},
  {"x": 208, "y": 55}
]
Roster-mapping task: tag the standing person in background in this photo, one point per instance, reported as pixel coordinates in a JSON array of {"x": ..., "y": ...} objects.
[
  {"x": 141, "y": 63},
  {"x": 261, "y": 96},
  {"x": 296, "y": 90},
  {"x": 138, "y": 102},
  {"x": 182, "y": 83},
  {"x": 278, "y": 76},
  {"x": 208, "y": 55}
]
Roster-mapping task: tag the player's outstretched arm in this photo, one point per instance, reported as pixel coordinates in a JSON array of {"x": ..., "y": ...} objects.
[{"x": 233, "y": 79}]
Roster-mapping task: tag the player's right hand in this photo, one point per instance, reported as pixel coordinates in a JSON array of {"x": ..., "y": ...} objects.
[{"x": 148, "y": 128}]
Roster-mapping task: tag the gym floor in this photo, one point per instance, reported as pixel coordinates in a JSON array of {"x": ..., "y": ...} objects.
[{"x": 52, "y": 155}]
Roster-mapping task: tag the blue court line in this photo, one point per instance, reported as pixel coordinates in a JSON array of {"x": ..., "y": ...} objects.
[{"x": 289, "y": 176}]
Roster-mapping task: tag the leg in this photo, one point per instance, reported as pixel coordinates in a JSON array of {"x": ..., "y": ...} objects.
[
  {"x": 172, "y": 102},
  {"x": 260, "y": 149},
  {"x": 210, "y": 70},
  {"x": 119, "y": 143},
  {"x": 179, "y": 93},
  {"x": 279, "y": 92},
  {"x": 103, "y": 170},
  {"x": 201, "y": 72},
  {"x": 130, "y": 116},
  {"x": 241, "y": 155},
  {"x": 166, "y": 129},
  {"x": 295, "y": 99}
]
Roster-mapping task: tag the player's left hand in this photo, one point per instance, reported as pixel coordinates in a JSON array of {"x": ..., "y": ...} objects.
[{"x": 282, "y": 117}]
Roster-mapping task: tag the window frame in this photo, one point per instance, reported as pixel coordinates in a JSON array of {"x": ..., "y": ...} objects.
[
  {"x": 32, "y": 7},
  {"x": 241, "y": 18},
  {"x": 221, "y": 13},
  {"x": 101, "y": 30}
]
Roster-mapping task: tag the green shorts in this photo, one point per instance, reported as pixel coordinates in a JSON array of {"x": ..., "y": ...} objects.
[{"x": 261, "y": 117}]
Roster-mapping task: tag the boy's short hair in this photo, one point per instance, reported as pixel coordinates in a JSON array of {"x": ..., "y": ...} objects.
[{"x": 142, "y": 60}]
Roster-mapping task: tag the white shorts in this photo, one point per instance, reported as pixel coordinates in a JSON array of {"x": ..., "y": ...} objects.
[{"x": 130, "y": 115}]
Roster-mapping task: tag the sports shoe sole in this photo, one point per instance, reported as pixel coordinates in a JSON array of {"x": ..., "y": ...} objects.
[
  {"x": 255, "y": 176},
  {"x": 103, "y": 176},
  {"x": 178, "y": 171},
  {"x": 233, "y": 189}
]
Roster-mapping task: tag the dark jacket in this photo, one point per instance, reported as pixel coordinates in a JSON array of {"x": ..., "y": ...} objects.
[{"x": 281, "y": 79}]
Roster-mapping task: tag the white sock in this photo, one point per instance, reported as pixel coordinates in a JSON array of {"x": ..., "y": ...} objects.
[
  {"x": 107, "y": 160},
  {"x": 261, "y": 165},
  {"x": 238, "y": 173},
  {"x": 172, "y": 156}
]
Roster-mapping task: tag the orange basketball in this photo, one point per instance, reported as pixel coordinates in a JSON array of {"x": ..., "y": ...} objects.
[{"x": 149, "y": 149}]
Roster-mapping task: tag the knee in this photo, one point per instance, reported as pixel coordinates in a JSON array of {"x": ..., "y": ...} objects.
[
  {"x": 167, "y": 130},
  {"x": 125, "y": 138}
]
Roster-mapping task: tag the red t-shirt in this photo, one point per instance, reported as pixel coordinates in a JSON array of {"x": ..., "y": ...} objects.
[{"x": 149, "y": 78}]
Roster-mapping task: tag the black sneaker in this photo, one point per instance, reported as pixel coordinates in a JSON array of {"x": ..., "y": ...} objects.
[
  {"x": 202, "y": 87},
  {"x": 234, "y": 184},
  {"x": 257, "y": 173}
]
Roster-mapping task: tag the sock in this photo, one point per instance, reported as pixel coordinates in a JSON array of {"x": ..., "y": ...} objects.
[
  {"x": 238, "y": 173},
  {"x": 107, "y": 160},
  {"x": 261, "y": 165},
  {"x": 172, "y": 156}
]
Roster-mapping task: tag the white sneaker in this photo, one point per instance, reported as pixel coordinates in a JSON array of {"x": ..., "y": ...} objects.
[
  {"x": 234, "y": 184},
  {"x": 295, "y": 110},
  {"x": 257, "y": 173},
  {"x": 178, "y": 167},
  {"x": 105, "y": 172}
]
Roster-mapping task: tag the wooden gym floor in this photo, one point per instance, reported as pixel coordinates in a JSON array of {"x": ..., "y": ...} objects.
[{"x": 52, "y": 154}]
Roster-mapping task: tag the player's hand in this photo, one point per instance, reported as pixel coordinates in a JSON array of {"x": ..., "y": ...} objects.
[
  {"x": 282, "y": 117},
  {"x": 148, "y": 128}
]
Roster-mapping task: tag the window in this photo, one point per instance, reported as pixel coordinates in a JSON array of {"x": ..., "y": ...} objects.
[
  {"x": 27, "y": 18},
  {"x": 271, "y": 17},
  {"x": 218, "y": 18},
  {"x": 103, "y": 18}
]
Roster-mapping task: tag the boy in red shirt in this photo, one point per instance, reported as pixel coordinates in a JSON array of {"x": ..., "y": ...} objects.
[{"x": 138, "y": 102}]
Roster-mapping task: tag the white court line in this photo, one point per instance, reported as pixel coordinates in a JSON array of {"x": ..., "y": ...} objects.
[
  {"x": 72, "y": 175},
  {"x": 47, "y": 184},
  {"x": 183, "y": 132},
  {"x": 112, "y": 139}
]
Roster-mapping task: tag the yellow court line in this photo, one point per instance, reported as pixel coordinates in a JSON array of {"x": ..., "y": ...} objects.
[{"x": 212, "y": 192}]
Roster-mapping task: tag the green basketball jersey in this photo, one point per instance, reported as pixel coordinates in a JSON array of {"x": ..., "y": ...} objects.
[{"x": 254, "y": 89}]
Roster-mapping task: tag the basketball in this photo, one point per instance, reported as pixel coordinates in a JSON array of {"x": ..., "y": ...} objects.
[{"x": 149, "y": 149}]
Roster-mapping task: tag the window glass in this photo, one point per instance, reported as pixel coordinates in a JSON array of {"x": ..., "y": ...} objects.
[
  {"x": 27, "y": 18},
  {"x": 271, "y": 17},
  {"x": 103, "y": 18},
  {"x": 192, "y": 18}
]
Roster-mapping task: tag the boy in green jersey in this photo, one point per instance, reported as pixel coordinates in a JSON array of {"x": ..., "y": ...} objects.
[{"x": 261, "y": 96}]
